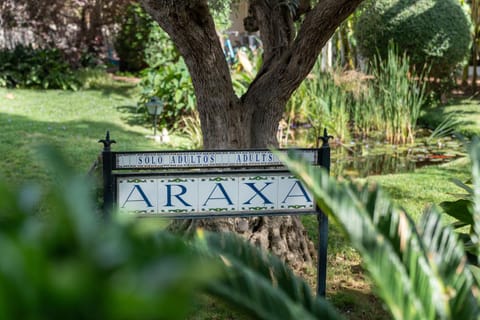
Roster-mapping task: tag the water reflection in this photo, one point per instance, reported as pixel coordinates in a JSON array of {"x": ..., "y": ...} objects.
[{"x": 364, "y": 159}]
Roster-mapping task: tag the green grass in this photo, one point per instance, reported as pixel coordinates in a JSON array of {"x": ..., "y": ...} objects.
[
  {"x": 465, "y": 110},
  {"x": 72, "y": 121}
]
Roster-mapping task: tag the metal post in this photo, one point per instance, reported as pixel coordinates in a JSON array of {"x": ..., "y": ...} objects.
[
  {"x": 155, "y": 122},
  {"x": 107, "y": 164},
  {"x": 324, "y": 161}
]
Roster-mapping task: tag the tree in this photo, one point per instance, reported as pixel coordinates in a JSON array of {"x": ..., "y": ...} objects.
[{"x": 251, "y": 121}]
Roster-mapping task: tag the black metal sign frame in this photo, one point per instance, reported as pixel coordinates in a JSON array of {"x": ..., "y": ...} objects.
[{"x": 114, "y": 169}]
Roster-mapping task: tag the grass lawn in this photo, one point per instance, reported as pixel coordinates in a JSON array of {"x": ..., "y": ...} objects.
[
  {"x": 464, "y": 110},
  {"x": 72, "y": 121},
  {"x": 75, "y": 121}
]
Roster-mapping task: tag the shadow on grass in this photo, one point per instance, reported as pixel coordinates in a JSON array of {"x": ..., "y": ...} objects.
[
  {"x": 77, "y": 139},
  {"x": 132, "y": 116},
  {"x": 357, "y": 305},
  {"x": 122, "y": 89}
]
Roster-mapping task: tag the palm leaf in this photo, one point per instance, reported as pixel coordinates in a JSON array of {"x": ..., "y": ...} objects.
[
  {"x": 448, "y": 260},
  {"x": 393, "y": 251},
  {"x": 459, "y": 209},
  {"x": 475, "y": 157},
  {"x": 261, "y": 284}
]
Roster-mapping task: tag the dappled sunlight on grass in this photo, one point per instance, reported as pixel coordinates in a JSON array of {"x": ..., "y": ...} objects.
[{"x": 72, "y": 121}]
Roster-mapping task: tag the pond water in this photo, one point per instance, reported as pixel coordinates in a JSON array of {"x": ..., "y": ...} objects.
[{"x": 361, "y": 159}]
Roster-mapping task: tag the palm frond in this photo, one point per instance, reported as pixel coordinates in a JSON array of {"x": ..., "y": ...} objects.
[
  {"x": 393, "y": 251},
  {"x": 261, "y": 284},
  {"x": 475, "y": 157}
]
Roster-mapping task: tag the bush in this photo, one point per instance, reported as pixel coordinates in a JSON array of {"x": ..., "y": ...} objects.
[
  {"x": 26, "y": 67},
  {"x": 141, "y": 42},
  {"x": 172, "y": 84},
  {"x": 429, "y": 31}
]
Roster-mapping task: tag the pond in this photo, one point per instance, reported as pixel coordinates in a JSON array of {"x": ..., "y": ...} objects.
[{"x": 363, "y": 158}]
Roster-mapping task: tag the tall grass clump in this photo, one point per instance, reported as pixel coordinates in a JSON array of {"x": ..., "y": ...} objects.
[
  {"x": 321, "y": 103},
  {"x": 383, "y": 104},
  {"x": 398, "y": 95}
]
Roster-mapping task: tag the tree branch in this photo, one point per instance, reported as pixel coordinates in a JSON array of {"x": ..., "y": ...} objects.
[
  {"x": 298, "y": 59},
  {"x": 275, "y": 23}
]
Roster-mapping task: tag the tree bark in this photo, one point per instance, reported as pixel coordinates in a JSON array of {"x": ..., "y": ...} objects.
[{"x": 251, "y": 121}]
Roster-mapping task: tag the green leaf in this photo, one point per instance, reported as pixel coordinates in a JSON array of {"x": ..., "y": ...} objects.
[
  {"x": 459, "y": 209},
  {"x": 416, "y": 279},
  {"x": 261, "y": 284}
]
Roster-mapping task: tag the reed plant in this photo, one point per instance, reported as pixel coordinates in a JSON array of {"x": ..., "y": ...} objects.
[
  {"x": 398, "y": 96},
  {"x": 321, "y": 103},
  {"x": 383, "y": 104}
]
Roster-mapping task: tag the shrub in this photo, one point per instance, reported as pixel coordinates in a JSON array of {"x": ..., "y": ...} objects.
[
  {"x": 26, "y": 67},
  {"x": 429, "y": 31},
  {"x": 141, "y": 43},
  {"x": 172, "y": 84}
]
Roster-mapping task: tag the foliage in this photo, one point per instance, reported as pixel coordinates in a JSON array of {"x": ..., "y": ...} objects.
[
  {"x": 69, "y": 263},
  {"x": 430, "y": 32},
  {"x": 143, "y": 45},
  {"x": 140, "y": 40},
  {"x": 466, "y": 209},
  {"x": 221, "y": 11},
  {"x": 398, "y": 95},
  {"x": 94, "y": 78},
  {"x": 26, "y": 67},
  {"x": 190, "y": 127},
  {"x": 172, "y": 84},
  {"x": 261, "y": 285},
  {"x": 419, "y": 271},
  {"x": 464, "y": 111},
  {"x": 386, "y": 101},
  {"x": 326, "y": 105}
]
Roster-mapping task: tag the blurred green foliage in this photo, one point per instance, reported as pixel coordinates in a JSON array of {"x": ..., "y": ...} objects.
[
  {"x": 61, "y": 260},
  {"x": 27, "y": 67}
]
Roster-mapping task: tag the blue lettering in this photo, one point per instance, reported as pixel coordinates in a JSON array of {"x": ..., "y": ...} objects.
[
  {"x": 183, "y": 190},
  {"x": 222, "y": 190},
  {"x": 142, "y": 195},
  {"x": 258, "y": 193},
  {"x": 302, "y": 190}
]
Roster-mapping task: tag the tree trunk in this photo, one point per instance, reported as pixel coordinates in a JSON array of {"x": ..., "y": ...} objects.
[{"x": 251, "y": 121}]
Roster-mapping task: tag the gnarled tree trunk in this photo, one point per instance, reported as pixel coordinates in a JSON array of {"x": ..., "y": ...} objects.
[{"x": 251, "y": 121}]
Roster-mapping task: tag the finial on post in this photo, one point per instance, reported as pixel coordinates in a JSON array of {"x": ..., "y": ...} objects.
[
  {"x": 325, "y": 138},
  {"x": 107, "y": 142}
]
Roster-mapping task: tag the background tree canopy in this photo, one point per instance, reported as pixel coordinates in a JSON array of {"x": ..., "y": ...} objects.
[{"x": 430, "y": 31}]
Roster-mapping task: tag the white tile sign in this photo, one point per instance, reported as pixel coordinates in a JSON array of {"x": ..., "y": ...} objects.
[
  {"x": 213, "y": 194},
  {"x": 199, "y": 159}
]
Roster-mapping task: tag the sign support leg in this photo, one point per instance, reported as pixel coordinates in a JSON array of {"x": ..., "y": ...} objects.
[
  {"x": 107, "y": 175},
  {"x": 323, "y": 161}
]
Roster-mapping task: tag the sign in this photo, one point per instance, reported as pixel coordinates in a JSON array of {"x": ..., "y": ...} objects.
[
  {"x": 205, "y": 194},
  {"x": 226, "y": 194},
  {"x": 205, "y": 159}
]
